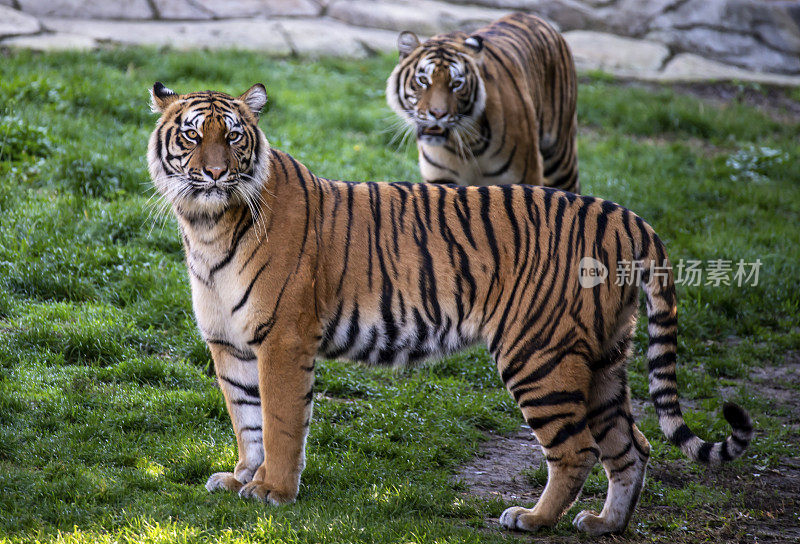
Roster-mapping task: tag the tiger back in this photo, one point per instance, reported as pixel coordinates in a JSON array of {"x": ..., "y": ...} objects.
[
  {"x": 497, "y": 106},
  {"x": 286, "y": 266}
]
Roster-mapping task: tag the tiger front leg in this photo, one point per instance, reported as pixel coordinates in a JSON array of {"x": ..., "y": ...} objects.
[
  {"x": 237, "y": 376},
  {"x": 286, "y": 381}
]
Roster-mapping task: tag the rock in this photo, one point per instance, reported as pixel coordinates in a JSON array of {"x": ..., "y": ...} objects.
[
  {"x": 693, "y": 13},
  {"x": 231, "y": 9},
  {"x": 424, "y": 17},
  {"x": 563, "y": 14},
  {"x": 322, "y": 37},
  {"x": 689, "y": 67},
  {"x": 51, "y": 42},
  {"x": 632, "y": 17},
  {"x": 88, "y": 9},
  {"x": 186, "y": 10},
  {"x": 621, "y": 56},
  {"x": 598, "y": 3},
  {"x": 777, "y": 24},
  {"x": 256, "y": 35},
  {"x": 783, "y": 35},
  {"x": 745, "y": 28},
  {"x": 739, "y": 49},
  {"x": 14, "y": 23}
]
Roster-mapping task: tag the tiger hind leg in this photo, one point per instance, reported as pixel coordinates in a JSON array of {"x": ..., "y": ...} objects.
[
  {"x": 624, "y": 450},
  {"x": 558, "y": 419}
]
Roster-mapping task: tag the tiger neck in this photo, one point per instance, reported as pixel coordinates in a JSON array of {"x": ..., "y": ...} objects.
[{"x": 212, "y": 241}]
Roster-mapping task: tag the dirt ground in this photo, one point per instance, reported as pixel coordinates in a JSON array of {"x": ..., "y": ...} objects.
[{"x": 764, "y": 504}]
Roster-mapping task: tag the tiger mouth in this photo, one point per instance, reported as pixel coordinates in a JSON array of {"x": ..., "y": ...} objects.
[
  {"x": 210, "y": 191},
  {"x": 435, "y": 132}
]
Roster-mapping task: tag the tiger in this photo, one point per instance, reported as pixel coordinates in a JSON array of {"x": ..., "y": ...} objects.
[
  {"x": 497, "y": 106},
  {"x": 286, "y": 267}
]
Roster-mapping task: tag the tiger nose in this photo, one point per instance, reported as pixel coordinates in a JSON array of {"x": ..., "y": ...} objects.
[
  {"x": 437, "y": 113},
  {"x": 214, "y": 172}
]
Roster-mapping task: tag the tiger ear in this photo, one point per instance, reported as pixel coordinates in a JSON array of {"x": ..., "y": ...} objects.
[
  {"x": 256, "y": 98},
  {"x": 407, "y": 41},
  {"x": 161, "y": 97},
  {"x": 475, "y": 43}
]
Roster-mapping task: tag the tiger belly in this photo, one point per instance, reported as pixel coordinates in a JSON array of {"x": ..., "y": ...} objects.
[{"x": 394, "y": 336}]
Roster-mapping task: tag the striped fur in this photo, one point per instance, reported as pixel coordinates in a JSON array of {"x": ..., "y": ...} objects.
[
  {"x": 394, "y": 273},
  {"x": 493, "y": 107}
]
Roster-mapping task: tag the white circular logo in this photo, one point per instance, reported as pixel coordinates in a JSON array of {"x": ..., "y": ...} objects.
[{"x": 591, "y": 272}]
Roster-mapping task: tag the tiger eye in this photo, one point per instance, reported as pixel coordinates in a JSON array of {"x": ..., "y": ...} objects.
[{"x": 191, "y": 134}]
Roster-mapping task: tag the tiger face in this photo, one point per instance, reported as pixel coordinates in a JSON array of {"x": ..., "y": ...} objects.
[
  {"x": 207, "y": 152},
  {"x": 437, "y": 87}
]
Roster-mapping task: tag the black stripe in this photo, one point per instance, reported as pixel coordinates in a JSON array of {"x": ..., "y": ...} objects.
[
  {"x": 682, "y": 435},
  {"x": 566, "y": 432},
  {"x": 620, "y": 455},
  {"x": 704, "y": 453},
  {"x": 249, "y": 289},
  {"x": 552, "y": 399},
  {"x": 539, "y": 422},
  {"x": 246, "y": 402},
  {"x": 249, "y": 390},
  {"x": 664, "y": 360}
]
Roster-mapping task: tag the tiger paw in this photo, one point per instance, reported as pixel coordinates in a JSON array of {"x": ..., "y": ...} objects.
[
  {"x": 593, "y": 524},
  {"x": 517, "y": 518},
  {"x": 223, "y": 480},
  {"x": 263, "y": 492}
]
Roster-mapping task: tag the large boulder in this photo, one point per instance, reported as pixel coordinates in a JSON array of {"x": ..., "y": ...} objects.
[
  {"x": 52, "y": 42},
  {"x": 324, "y": 37},
  {"x": 425, "y": 17},
  {"x": 735, "y": 48},
  {"x": 690, "y": 67},
  {"x": 14, "y": 23},
  {"x": 226, "y": 9},
  {"x": 622, "y": 56},
  {"x": 88, "y": 9},
  {"x": 258, "y": 35}
]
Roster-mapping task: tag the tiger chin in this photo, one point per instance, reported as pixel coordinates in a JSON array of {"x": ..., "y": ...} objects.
[
  {"x": 286, "y": 267},
  {"x": 492, "y": 107}
]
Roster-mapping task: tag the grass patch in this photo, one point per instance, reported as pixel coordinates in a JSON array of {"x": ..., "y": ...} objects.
[{"x": 109, "y": 422}]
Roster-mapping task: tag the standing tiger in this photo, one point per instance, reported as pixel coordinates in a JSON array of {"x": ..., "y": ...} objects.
[
  {"x": 286, "y": 266},
  {"x": 493, "y": 107}
]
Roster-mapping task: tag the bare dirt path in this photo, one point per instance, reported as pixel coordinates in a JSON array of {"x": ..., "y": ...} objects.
[{"x": 763, "y": 505}]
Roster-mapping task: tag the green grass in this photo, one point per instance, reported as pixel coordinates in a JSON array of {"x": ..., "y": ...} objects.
[{"x": 110, "y": 423}]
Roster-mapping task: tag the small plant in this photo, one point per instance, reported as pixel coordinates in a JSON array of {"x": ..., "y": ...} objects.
[
  {"x": 20, "y": 141},
  {"x": 753, "y": 163},
  {"x": 537, "y": 476}
]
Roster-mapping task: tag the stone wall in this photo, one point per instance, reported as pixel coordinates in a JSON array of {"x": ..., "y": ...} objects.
[
  {"x": 651, "y": 39},
  {"x": 761, "y": 35}
]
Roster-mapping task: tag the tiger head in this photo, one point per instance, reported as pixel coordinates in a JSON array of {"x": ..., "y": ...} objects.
[
  {"x": 207, "y": 151},
  {"x": 437, "y": 87}
]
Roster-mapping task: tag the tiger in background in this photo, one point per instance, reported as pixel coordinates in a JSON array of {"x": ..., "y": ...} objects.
[
  {"x": 286, "y": 266},
  {"x": 493, "y": 107}
]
